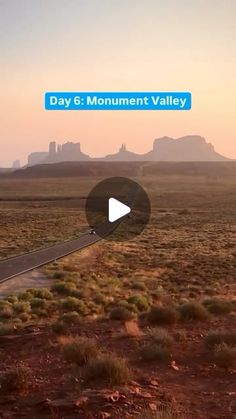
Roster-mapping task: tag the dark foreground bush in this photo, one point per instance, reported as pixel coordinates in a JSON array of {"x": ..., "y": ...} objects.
[
  {"x": 155, "y": 352},
  {"x": 121, "y": 313},
  {"x": 193, "y": 311},
  {"x": 225, "y": 356},
  {"x": 219, "y": 336},
  {"x": 16, "y": 379},
  {"x": 218, "y": 306},
  {"x": 79, "y": 350},
  {"x": 160, "y": 315},
  {"x": 108, "y": 368}
]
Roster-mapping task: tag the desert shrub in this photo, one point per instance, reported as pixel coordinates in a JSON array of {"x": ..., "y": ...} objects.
[
  {"x": 21, "y": 307},
  {"x": 218, "y": 306},
  {"x": 11, "y": 299},
  {"x": 121, "y": 313},
  {"x": 193, "y": 311},
  {"x": 219, "y": 336},
  {"x": 6, "y": 329},
  {"x": 40, "y": 312},
  {"x": 140, "y": 301},
  {"x": 59, "y": 274},
  {"x": 24, "y": 317},
  {"x": 161, "y": 337},
  {"x": 100, "y": 299},
  {"x": 138, "y": 286},
  {"x": 71, "y": 317},
  {"x": 162, "y": 315},
  {"x": 43, "y": 293},
  {"x": 179, "y": 335},
  {"x": 73, "y": 303},
  {"x": 225, "y": 356},
  {"x": 64, "y": 288},
  {"x": 155, "y": 352},
  {"x": 4, "y": 304},
  {"x": 24, "y": 296},
  {"x": 16, "y": 379},
  {"x": 37, "y": 303},
  {"x": 6, "y": 312},
  {"x": 59, "y": 327},
  {"x": 79, "y": 350},
  {"x": 108, "y": 368}
]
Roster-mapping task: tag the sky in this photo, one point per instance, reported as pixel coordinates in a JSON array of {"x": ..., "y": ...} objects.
[{"x": 115, "y": 45}]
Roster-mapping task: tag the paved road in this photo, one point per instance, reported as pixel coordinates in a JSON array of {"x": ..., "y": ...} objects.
[{"x": 20, "y": 264}]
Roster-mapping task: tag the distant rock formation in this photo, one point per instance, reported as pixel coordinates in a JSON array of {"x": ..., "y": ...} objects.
[
  {"x": 37, "y": 158},
  {"x": 58, "y": 153},
  {"x": 188, "y": 148},
  {"x": 123, "y": 155},
  {"x": 16, "y": 164}
]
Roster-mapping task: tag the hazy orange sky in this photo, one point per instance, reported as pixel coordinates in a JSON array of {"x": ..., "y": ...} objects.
[{"x": 115, "y": 45}]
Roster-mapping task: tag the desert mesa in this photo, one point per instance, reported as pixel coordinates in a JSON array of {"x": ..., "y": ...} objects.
[{"x": 187, "y": 148}]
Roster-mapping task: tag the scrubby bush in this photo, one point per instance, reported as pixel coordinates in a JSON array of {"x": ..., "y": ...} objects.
[
  {"x": 225, "y": 356},
  {"x": 218, "y": 337},
  {"x": 193, "y": 311},
  {"x": 218, "y": 306},
  {"x": 108, "y": 368},
  {"x": 16, "y": 379},
  {"x": 11, "y": 299},
  {"x": 43, "y": 293},
  {"x": 59, "y": 327},
  {"x": 71, "y": 317},
  {"x": 140, "y": 301},
  {"x": 73, "y": 303},
  {"x": 79, "y": 350},
  {"x": 37, "y": 303},
  {"x": 121, "y": 313},
  {"x": 161, "y": 337},
  {"x": 161, "y": 315},
  {"x": 21, "y": 307},
  {"x": 64, "y": 288},
  {"x": 155, "y": 352},
  {"x": 6, "y": 312},
  {"x": 6, "y": 329}
]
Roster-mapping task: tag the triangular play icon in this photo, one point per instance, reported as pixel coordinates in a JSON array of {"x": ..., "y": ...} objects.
[{"x": 116, "y": 210}]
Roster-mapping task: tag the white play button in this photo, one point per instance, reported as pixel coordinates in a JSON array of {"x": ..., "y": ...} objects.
[{"x": 116, "y": 210}]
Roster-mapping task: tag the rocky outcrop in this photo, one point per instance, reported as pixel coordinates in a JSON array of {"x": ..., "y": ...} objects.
[{"x": 188, "y": 148}]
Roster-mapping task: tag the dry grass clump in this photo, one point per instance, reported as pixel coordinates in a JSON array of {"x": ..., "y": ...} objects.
[
  {"x": 161, "y": 337},
  {"x": 218, "y": 306},
  {"x": 140, "y": 301},
  {"x": 193, "y": 311},
  {"x": 160, "y": 315},
  {"x": 219, "y": 337},
  {"x": 78, "y": 350},
  {"x": 70, "y": 318},
  {"x": 108, "y": 368},
  {"x": 225, "y": 356},
  {"x": 7, "y": 328},
  {"x": 59, "y": 327},
  {"x": 64, "y": 288},
  {"x": 73, "y": 304},
  {"x": 155, "y": 352},
  {"x": 121, "y": 313},
  {"x": 38, "y": 303},
  {"x": 21, "y": 307},
  {"x": 16, "y": 379}
]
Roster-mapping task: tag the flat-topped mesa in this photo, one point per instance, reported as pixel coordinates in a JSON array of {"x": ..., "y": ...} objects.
[{"x": 187, "y": 148}]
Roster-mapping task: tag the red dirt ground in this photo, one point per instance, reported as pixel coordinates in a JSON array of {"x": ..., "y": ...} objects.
[{"x": 192, "y": 385}]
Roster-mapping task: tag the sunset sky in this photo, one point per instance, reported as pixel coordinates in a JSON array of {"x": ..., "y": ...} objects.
[{"x": 115, "y": 45}]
